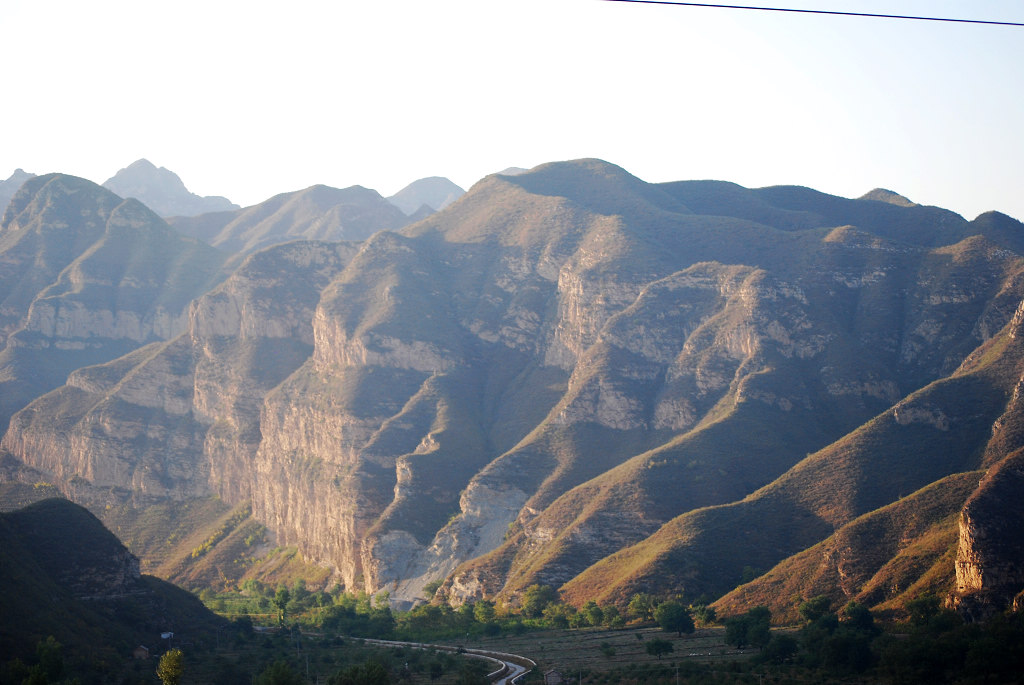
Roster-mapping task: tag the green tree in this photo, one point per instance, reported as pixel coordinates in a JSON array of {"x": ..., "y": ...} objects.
[
  {"x": 483, "y": 611},
  {"x": 472, "y": 672},
  {"x": 300, "y": 593},
  {"x": 642, "y": 606},
  {"x": 859, "y": 617},
  {"x": 49, "y": 652},
  {"x": 171, "y": 667},
  {"x": 673, "y": 617},
  {"x": 466, "y": 613},
  {"x": 922, "y": 609},
  {"x": 536, "y": 598},
  {"x": 593, "y": 613},
  {"x": 279, "y": 673},
  {"x": 371, "y": 673},
  {"x": 558, "y": 615},
  {"x": 704, "y": 614},
  {"x": 752, "y": 628},
  {"x": 816, "y": 607},
  {"x": 781, "y": 648},
  {"x": 658, "y": 647},
  {"x": 612, "y": 617},
  {"x": 281, "y": 598}
]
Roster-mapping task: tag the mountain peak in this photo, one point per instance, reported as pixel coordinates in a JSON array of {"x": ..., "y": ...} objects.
[
  {"x": 883, "y": 195},
  {"x": 163, "y": 191},
  {"x": 9, "y": 187},
  {"x": 436, "y": 192},
  {"x": 595, "y": 184}
]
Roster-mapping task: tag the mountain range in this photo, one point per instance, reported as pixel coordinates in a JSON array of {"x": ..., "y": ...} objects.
[{"x": 567, "y": 376}]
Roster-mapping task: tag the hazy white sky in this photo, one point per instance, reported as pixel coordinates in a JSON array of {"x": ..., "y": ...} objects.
[{"x": 249, "y": 99}]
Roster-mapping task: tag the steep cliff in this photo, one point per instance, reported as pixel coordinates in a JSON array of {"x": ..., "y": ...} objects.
[
  {"x": 990, "y": 552},
  {"x": 181, "y": 418}
]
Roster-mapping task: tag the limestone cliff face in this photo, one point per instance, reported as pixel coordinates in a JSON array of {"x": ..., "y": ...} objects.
[
  {"x": 181, "y": 419},
  {"x": 990, "y": 554}
]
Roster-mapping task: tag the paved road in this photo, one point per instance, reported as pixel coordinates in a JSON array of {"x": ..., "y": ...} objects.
[{"x": 508, "y": 667}]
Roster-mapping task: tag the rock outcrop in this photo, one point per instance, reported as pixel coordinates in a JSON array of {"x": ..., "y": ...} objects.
[{"x": 990, "y": 553}]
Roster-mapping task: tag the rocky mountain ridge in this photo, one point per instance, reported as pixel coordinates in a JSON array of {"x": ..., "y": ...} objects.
[
  {"x": 9, "y": 187},
  {"x": 315, "y": 213},
  {"x": 573, "y": 377}
]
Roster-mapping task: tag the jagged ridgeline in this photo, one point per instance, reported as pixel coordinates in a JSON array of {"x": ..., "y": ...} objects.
[{"x": 576, "y": 378}]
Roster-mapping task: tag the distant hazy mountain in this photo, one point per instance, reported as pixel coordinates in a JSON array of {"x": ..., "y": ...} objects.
[
  {"x": 434, "y": 192},
  {"x": 315, "y": 213},
  {"x": 9, "y": 187},
  {"x": 162, "y": 191}
]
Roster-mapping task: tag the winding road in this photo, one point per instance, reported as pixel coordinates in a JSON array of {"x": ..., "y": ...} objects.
[{"x": 510, "y": 667}]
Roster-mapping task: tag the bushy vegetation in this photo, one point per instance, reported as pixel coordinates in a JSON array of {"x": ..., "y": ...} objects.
[{"x": 649, "y": 641}]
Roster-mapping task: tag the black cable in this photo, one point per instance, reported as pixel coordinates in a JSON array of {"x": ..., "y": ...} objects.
[{"x": 830, "y": 12}]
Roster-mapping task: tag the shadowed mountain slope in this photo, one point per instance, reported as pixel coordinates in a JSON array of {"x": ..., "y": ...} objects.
[
  {"x": 65, "y": 575},
  {"x": 905, "y": 548}
]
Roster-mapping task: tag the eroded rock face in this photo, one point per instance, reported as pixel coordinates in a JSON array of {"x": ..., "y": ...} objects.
[
  {"x": 990, "y": 554},
  {"x": 181, "y": 419}
]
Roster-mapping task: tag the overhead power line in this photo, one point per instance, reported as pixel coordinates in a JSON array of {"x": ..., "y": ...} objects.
[{"x": 830, "y": 12}]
